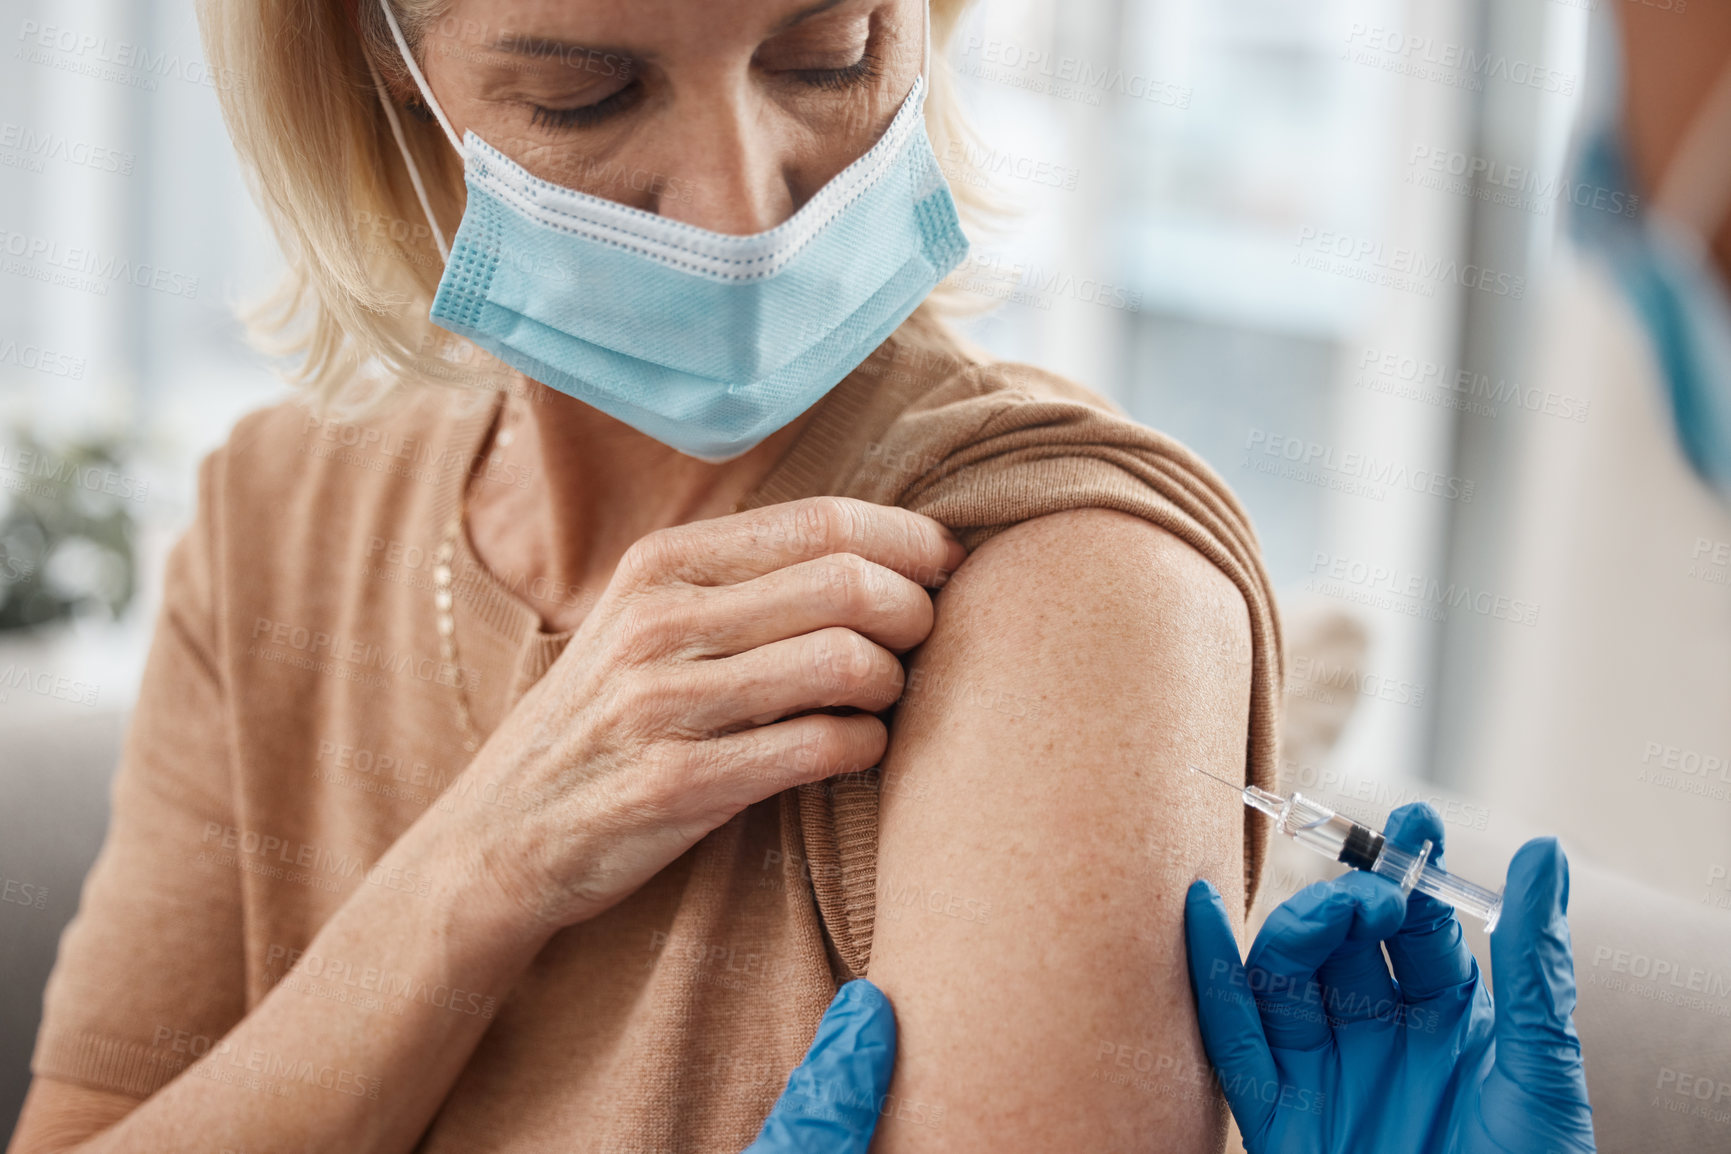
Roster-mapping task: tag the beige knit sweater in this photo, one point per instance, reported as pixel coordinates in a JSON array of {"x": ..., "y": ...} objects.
[{"x": 294, "y": 719}]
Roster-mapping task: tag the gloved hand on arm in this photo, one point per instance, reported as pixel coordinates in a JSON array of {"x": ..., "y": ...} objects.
[
  {"x": 832, "y": 1098},
  {"x": 1318, "y": 1048}
]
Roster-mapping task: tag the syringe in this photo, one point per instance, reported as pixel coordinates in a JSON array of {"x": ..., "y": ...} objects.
[{"x": 1319, "y": 828}]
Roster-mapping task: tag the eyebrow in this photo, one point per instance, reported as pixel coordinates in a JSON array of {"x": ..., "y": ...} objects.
[
  {"x": 817, "y": 9},
  {"x": 520, "y": 44},
  {"x": 523, "y": 44}
]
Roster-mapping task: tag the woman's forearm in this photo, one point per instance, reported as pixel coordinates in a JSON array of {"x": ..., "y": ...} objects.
[{"x": 358, "y": 1043}]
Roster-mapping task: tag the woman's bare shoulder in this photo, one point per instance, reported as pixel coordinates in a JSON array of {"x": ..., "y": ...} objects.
[{"x": 1039, "y": 829}]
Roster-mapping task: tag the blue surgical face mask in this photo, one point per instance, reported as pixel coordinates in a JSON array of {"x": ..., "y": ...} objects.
[
  {"x": 705, "y": 341},
  {"x": 1660, "y": 254}
]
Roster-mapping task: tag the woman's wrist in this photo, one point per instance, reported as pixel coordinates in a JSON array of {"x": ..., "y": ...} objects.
[{"x": 454, "y": 855}]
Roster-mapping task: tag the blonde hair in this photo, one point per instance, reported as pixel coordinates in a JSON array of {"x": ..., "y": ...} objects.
[{"x": 350, "y": 316}]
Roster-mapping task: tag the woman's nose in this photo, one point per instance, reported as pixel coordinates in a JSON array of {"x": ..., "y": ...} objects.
[{"x": 726, "y": 164}]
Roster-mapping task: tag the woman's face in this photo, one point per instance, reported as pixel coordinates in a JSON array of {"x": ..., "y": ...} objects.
[{"x": 724, "y": 114}]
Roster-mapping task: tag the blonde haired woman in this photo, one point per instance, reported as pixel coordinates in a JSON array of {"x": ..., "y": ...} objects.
[{"x": 528, "y": 752}]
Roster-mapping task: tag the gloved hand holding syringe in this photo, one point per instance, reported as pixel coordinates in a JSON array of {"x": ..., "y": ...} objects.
[
  {"x": 1318, "y": 828},
  {"x": 1359, "y": 1021}
]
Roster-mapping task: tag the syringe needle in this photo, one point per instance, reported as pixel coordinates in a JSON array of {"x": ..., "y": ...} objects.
[{"x": 1221, "y": 780}]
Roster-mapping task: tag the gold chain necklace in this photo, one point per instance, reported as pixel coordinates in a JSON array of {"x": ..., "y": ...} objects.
[{"x": 445, "y": 601}]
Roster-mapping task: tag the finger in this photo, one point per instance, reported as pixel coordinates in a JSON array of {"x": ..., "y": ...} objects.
[
  {"x": 1532, "y": 965},
  {"x": 1409, "y": 827},
  {"x": 1429, "y": 954},
  {"x": 842, "y": 589},
  {"x": 832, "y": 1098},
  {"x": 828, "y": 668},
  {"x": 1356, "y": 986},
  {"x": 1226, "y": 1010},
  {"x": 1298, "y": 937},
  {"x": 729, "y": 773},
  {"x": 740, "y": 546}
]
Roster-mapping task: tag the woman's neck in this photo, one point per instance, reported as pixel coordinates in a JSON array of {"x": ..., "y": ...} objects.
[{"x": 562, "y": 490}]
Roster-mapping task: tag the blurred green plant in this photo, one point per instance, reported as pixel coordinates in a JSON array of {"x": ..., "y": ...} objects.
[{"x": 66, "y": 529}]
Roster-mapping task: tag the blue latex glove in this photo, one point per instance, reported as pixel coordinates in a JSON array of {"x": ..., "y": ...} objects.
[
  {"x": 832, "y": 1098},
  {"x": 1318, "y": 1048}
]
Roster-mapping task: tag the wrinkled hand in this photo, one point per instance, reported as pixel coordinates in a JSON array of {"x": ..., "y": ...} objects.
[
  {"x": 1319, "y": 1048},
  {"x": 832, "y": 1099},
  {"x": 727, "y": 660}
]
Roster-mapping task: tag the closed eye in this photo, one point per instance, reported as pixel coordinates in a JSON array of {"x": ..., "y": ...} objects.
[
  {"x": 587, "y": 115},
  {"x": 862, "y": 71}
]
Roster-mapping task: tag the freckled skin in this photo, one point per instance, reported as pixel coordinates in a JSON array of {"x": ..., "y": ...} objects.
[{"x": 1079, "y": 826}]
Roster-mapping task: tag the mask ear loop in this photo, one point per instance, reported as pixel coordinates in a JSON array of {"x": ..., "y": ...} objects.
[
  {"x": 420, "y": 81},
  {"x": 926, "y": 66},
  {"x": 414, "y": 171},
  {"x": 397, "y": 124},
  {"x": 1696, "y": 188}
]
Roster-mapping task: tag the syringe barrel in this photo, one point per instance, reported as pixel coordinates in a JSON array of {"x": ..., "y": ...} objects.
[
  {"x": 1466, "y": 897},
  {"x": 1320, "y": 828}
]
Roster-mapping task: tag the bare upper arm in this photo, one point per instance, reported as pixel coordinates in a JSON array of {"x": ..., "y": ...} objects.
[
  {"x": 1038, "y": 832},
  {"x": 58, "y": 1115}
]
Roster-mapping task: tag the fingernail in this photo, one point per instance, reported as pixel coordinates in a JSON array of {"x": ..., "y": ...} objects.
[{"x": 953, "y": 558}]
